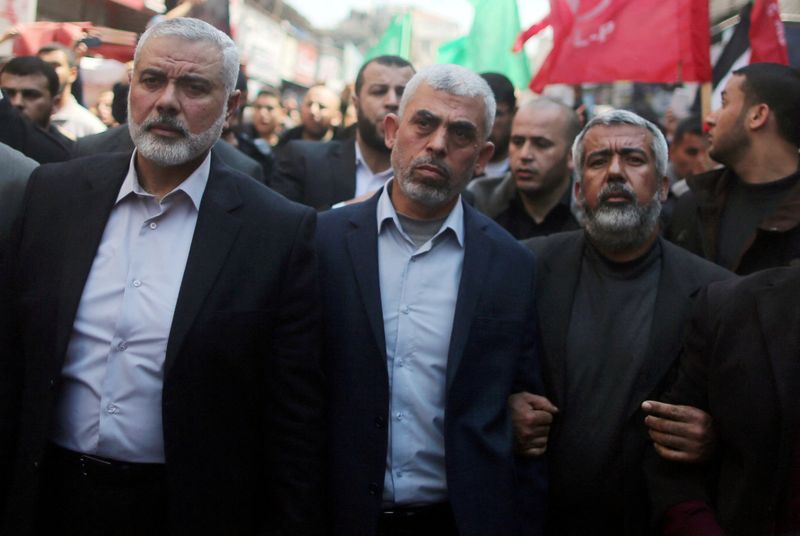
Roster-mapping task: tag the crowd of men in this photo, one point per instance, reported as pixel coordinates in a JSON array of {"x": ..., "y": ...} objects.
[{"x": 342, "y": 333}]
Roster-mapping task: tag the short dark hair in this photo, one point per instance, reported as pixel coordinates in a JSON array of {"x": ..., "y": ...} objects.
[
  {"x": 687, "y": 125},
  {"x": 388, "y": 60},
  {"x": 777, "y": 86},
  {"x": 72, "y": 60},
  {"x": 30, "y": 65},
  {"x": 502, "y": 88},
  {"x": 269, "y": 92}
]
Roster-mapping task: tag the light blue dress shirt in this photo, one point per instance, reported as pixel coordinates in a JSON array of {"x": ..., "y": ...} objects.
[
  {"x": 110, "y": 400},
  {"x": 419, "y": 288}
]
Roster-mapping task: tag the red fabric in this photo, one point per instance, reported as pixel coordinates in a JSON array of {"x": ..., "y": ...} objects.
[
  {"x": 35, "y": 34},
  {"x": 767, "y": 36},
  {"x": 116, "y": 45},
  {"x": 523, "y": 37},
  {"x": 691, "y": 518},
  {"x": 639, "y": 40}
]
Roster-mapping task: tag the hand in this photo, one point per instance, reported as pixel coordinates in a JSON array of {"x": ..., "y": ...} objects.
[
  {"x": 531, "y": 416},
  {"x": 680, "y": 433}
]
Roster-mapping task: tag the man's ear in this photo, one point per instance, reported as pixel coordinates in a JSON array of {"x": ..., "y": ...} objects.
[
  {"x": 483, "y": 157},
  {"x": 233, "y": 104},
  {"x": 663, "y": 189},
  {"x": 578, "y": 192},
  {"x": 758, "y": 116},
  {"x": 391, "y": 123}
]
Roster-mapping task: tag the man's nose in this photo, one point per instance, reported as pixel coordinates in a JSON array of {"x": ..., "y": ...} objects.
[
  {"x": 392, "y": 101},
  {"x": 168, "y": 99},
  {"x": 437, "y": 143}
]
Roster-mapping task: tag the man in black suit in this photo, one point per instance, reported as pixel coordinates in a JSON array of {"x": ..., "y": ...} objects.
[
  {"x": 428, "y": 309},
  {"x": 612, "y": 302},
  {"x": 21, "y": 133},
  {"x": 158, "y": 337},
  {"x": 321, "y": 175},
  {"x": 118, "y": 139},
  {"x": 740, "y": 363}
]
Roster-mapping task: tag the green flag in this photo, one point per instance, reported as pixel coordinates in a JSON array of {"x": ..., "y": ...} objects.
[
  {"x": 487, "y": 47},
  {"x": 396, "y": 40}
]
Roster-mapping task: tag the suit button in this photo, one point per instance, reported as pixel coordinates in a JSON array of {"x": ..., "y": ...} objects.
[
  {"x": 373, "y": 489},
  {"x": 380, "y": 422},
  {"x": 52, "y": 383},
  {"x": 36, "y": 464}
]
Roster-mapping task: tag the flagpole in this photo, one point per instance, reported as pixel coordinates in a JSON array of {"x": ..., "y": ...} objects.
[{"x": 705, "y": 100}]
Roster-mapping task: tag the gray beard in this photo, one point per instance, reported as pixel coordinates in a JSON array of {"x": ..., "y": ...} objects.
[
  {"x": 173, "y": 151},
  {"x": 429, "y": 195},
  {"x": 619, "y": 229}
]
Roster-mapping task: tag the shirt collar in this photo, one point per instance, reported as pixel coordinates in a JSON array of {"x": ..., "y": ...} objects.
[
  {"x": 193, "y": 186},
  {"x": 386, "y": 173},
  {"x": 386, "y": 212}
]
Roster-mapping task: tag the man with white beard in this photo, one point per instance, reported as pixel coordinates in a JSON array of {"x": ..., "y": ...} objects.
[
  {"x": 158, "y": 337},
  {"x": 613, "y": 299}
]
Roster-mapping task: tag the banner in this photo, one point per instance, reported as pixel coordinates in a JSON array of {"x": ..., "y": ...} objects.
[
  {"x": 395, "y": 41},
  {"x": 638, "y": 40},
  {"x": 487, "y": 46}
]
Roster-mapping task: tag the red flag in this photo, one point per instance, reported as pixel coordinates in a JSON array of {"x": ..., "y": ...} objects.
[
  {"x": 641, "y": 40},
  {"x": 767, "y": 36},
  {"x": 523, "y": 37}
]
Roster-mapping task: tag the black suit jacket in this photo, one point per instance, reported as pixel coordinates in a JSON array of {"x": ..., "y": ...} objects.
[
  {"x": 241, "y": 408},
  {"x": 491, "y": 355},
  {"x": 118, "y": 139},
  {"x": 19, "y": 133},
  {"x": 559, "y": 259},
  {"x": 741, "y": 364},
  {"x": 316, "y": 174}
]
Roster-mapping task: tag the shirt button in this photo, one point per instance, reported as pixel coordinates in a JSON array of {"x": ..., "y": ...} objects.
[
  {"x": 399, "y": 474},
  {"x": 112, "y": 409},
  {"x": 122, "y": 346},
  {"x": 399, "y": 415},
  {"x": 400, "y": 364},
  {"x": 405, "y": 310},
  {"x": 137, "y": 283},
  {"x": 153, "y": 225}
]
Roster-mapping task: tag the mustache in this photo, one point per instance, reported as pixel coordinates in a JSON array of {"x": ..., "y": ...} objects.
[
  {"x": 166, "y": 121},
  {"x": 616, "y": 189},
  {"x": 439, "y": 164}
]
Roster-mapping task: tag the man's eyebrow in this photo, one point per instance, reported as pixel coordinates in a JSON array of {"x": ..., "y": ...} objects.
[
  {"x": 623, "y": 151},
  {"x": 425, "y": 114},
  {"x": 463, "y": 125}
]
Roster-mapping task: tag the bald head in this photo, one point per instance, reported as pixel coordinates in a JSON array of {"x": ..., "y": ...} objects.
[{"x": 541, "y": 136}]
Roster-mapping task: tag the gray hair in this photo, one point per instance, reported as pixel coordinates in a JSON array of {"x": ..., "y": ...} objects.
[
  {"x": 455, "y": 80},
  {"x": 623, "y": 117},
  {"x": 196, "y": 30}
]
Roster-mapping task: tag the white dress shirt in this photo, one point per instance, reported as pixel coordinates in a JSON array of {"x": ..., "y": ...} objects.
[
  {"x": 419, "y": 287},
  {"x": 110, "y": 400},
  {"x": 366, "y": 180}
]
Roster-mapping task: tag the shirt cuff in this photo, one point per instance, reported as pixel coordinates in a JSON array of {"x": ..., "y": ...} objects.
[{"x": 691, "y": 518}]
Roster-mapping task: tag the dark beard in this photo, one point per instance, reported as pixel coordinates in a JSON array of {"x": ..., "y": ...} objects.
[{"x": 369, "y": 134}]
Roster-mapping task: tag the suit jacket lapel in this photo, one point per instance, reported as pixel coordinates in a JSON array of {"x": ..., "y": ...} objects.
[
  {"x": 91, "y": 206},
  {"x": 343, "y": 171},
  {"x": 477, "y": 253},
  {"x": 362, "y": 245},
  {"x": 556, "y": 283},
  {"x": 214, "y": 234}
]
